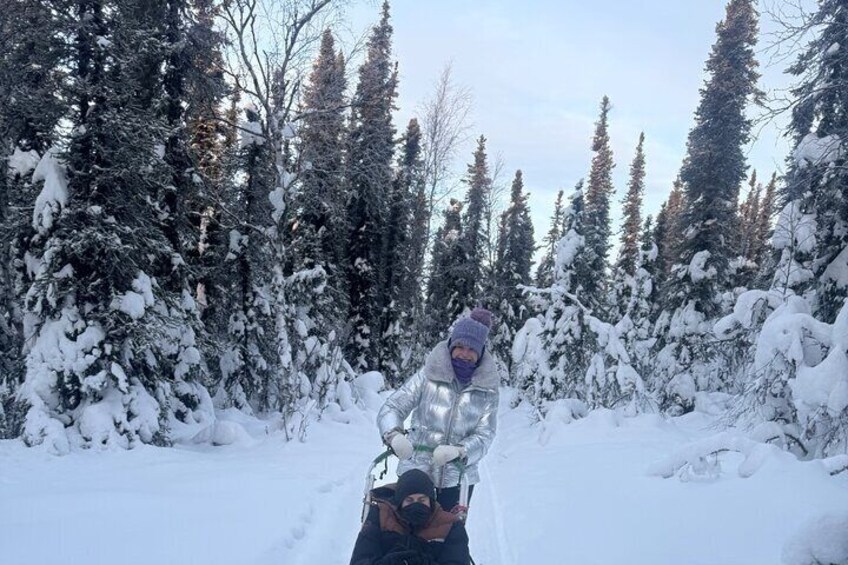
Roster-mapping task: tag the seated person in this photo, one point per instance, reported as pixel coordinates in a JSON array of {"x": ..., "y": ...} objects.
[{"x": 406, "y": 526}]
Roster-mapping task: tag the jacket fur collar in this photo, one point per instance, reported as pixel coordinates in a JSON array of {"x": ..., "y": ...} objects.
[{"x": 438, "y": 368}]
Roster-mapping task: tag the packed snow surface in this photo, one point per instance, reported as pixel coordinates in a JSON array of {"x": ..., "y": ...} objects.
[{"x": 596, "y": 488}]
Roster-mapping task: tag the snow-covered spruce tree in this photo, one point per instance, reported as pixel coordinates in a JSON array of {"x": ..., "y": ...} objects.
[
  {"x": 820, "y": 128},
  {"x": 549, "y": 357},
  {"x": 797, "y": 372},
  {"x": 273, "y": 84},
  {"x": 668, "y": 234},
  {"x": 444, "y": 302},
  {"x": 749, "y": 211},
  {"x": 248, "y": 363},
  {"x": 743, "y": 268},
  {"x": 419, "y": 240},
  {"x": 628, "y": 253},
  {"x": 597, "y": 216},
  {"x": 315, "y": 272},
  {"x": 566, "y": 352},
  {"x": 546, "y": 265},
  {"x": 763, "y": 252},
  {"x": 369, "y": 182},
  {"x": 774, "y": 334},
  {"x": 321, "y": 229},
  {"x": 30, "y": 109},
  {"x": 474, "y": 236},
  {"x": 512, "y": 270},
  {"x": 636, "y": 324},
  {"x": 126, "y": 366},
  {"x": 712, "y": 172},
  {"x": 211, "y": 149},
  {"x": 403, "y": 249}
]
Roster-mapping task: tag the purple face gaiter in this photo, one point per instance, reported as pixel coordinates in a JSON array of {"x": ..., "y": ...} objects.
[{"x": 463, "y": 370}]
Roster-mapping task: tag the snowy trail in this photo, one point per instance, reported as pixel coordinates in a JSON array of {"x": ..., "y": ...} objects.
[
  {"x": 489, "y": 541},
  {"x": 577, "y": 492},
  {"x": 318, "y": 534}
]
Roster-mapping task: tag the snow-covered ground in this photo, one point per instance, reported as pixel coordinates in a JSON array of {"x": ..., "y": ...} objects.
[{"x": 588, "y": 492}]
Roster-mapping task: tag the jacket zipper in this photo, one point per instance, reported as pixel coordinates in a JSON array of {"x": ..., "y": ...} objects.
[{"x": 450, "y": 428}]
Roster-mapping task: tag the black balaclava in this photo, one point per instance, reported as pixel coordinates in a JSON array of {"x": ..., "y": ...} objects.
[{"x": 415, "y": 481}]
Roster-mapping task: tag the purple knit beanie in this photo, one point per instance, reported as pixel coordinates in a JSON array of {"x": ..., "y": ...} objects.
[{"x": 471, "y": 332}]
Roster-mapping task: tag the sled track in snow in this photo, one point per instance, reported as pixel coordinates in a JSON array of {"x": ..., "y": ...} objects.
[
  {"x": 495, "y": 541},
  {"x": 318, "y": 537}
]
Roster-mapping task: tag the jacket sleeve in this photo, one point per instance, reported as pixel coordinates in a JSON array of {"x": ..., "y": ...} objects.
[
  {"x": 455, "y": 550},
  {"x": 367, "y": 549},
  {"x": 477, "y": 444},
  {"x": 400, "y": 404}
]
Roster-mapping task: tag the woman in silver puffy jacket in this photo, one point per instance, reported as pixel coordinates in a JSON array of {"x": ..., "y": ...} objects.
[{"x": 453, "y": 400}]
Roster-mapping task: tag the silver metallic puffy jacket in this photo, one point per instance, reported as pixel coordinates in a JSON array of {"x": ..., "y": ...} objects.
[{"x": 444, "y": 413}]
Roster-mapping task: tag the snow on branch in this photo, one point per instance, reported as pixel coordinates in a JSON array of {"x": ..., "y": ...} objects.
[{"x": 699, "y": 458}]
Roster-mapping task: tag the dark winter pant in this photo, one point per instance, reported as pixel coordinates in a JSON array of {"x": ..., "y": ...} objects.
[{"x": 449, "y": 497}]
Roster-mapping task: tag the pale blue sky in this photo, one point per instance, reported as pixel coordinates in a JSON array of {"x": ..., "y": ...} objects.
[{"x": 538, "y": 70}]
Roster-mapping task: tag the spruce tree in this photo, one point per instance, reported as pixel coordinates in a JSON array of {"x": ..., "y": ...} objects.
[
  {"x": 512, "y": 270},
  {"x": 369, "y": 181},
  {"x": 401, "y": 258},
  {"x": 628, "y": 254},
  {"x": 556, "y": 367},
  {"x": 211, "y": 150},
  {"x": 712, "y": 172},
  {"x": 444, "y": 301},
  {"x": 319, "y": 203},
  {"x": 474, "y": 236},
  {"x": 108, "y": 284},
  {"x": 637, "y": 322},
  {"x": 597, "y": 218},
  {"x": 545, "y": 269},
  {"x": 632, "y": 203},
  {"x": 816, "y": 177},
  {"x": 749, "y": 212},
  {"x": 31, "y": 107},
  {"x": 248, "y": 364}
]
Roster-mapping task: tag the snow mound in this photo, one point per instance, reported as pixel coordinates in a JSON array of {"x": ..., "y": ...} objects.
[
  {"x": 223, "y": 432},
  {"x": 823, "y": 539},
  {"x": 367, "y": 387}
]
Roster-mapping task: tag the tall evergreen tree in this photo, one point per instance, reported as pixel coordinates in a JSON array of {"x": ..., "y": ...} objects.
[
  {"x": 512, "y": 269},
  {"x": 444, "y": 301},
  {"x": 401, "y": 257},
  {"x": 637, "y": 321},
  {"x": 108, "y": 284},
  {"x": 248, "y": 365},
  {"x": 764, "y": 252},
  {"x": 817, "y": 177},
  {"x": 599, "y": 190},
  {"x": 474, "y": 236},
  {"x": 711, "y": 175},
  {"x": 211, "y": 149},
  {"x": 557, "y": 366},
  {"x": 319, "y": 203},
  {"x": 668, "y": 234},
  {"x": 370, "y": 177},
  {"x": 749, "y": 212},
  {"x": 628, "y": 254},
  {"x": 31, "y": 106},
  {"x": 545, "y": 269}
]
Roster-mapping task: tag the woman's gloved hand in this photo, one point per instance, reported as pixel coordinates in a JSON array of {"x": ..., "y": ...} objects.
[
  {"x": 445, "y": 454},
  {"x": 401, "y": 446}
]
